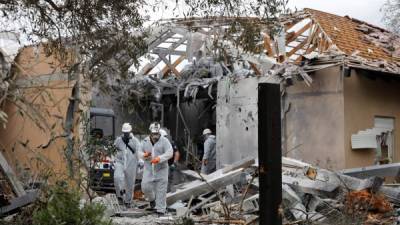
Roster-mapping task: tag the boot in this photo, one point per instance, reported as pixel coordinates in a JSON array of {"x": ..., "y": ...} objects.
[
  {"x": 159, "y": 213},
  {"x": 120, "y": 201},
  {"x": 151, "y": 207}
]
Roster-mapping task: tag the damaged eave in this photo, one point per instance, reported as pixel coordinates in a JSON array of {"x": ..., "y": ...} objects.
[{"x": 379, "y": 72}]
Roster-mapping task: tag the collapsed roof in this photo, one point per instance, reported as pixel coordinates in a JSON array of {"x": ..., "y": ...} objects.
[
  {"x": 181, "y": 52},
  {"x": 176, "y": 42}
]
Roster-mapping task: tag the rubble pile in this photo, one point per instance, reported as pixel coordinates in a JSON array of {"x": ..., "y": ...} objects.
[
  {"x": 310, "y": 195},
  {"x": 326, "y": 197},
  {"x": 206, "y": 73}
]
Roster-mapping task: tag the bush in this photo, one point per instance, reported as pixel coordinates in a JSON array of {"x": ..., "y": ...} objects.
[{"x": 62, "y": 207}]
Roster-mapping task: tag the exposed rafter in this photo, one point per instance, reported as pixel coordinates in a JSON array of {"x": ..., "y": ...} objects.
[
  {"x": 178, "y": 61},
  {"x": 169, "y": 65}
]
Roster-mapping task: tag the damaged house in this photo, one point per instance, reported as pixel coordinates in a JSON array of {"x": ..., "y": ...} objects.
[
  {"x": 349, "y": 116},
  {"x": 339, "y": 82},
  {"x": 346, "y": 118}
]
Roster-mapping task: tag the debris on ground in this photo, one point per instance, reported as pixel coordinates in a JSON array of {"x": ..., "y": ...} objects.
[{"x": 310, "y": 195}]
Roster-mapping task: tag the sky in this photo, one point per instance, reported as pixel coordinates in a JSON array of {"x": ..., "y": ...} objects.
[{"x": 366, "y": 10}]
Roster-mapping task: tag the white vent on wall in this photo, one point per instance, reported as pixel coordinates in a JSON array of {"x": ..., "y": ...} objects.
[{"x": 368, "y": 138}]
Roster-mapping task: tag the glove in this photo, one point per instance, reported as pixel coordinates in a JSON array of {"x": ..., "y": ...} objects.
[
  {"x": 146, "y": 155},
  {"x": 155, "y": 160},
  {"x": 173, "y": 167}
]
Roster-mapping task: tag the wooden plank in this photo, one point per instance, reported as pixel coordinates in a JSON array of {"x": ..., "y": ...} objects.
[
  {"x": 289, "y": 25},
  {"x": 175, "y": 64},
  {"x": 11, "y": 177},
  {"x": 169, "y": 65},
  {"x": 160, "y": 39},
  {"x": 300, "y": 46},
  {"x": 326, "y": 45},
  {"x": 254, "y": 67},
  {"x": 166, "y": 51},
  {"x": 149, "y": 66},
  {"x": 311, "y": 41},
  {"x": 308, "y": 51},
  {"x": 321, "y": 44},
  {"x": 267, "y": 45},
  {"x": 298, "y": 33}
]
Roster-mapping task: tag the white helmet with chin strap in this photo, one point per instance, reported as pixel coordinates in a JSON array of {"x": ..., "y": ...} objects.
[
  {"x": 126, "y": 127},
  {"x": 155, "y": 127},
  {"x": 207, "y": 131}
]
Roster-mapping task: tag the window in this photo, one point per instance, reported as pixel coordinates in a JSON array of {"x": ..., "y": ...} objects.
[{"x": 385, "y": 140}]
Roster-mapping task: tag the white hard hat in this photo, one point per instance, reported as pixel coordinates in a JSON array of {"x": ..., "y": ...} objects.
[
  {"x": 206, "y": 131},
  {"x": 126, "y": 127},
  {"x": 155, "y": 127},
  {"x": 163, "y": 133}
]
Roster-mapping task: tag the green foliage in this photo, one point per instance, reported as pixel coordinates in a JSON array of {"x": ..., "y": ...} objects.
[
  {"x": 61, "y": 206},
  {"x": 100, "y": 147}
]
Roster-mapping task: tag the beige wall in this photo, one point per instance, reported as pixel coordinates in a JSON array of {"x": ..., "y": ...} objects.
[
  {"x": 44, "y": 101},
  {"x": 314, "y": 123},
  {"x": 365, "y": 98}
]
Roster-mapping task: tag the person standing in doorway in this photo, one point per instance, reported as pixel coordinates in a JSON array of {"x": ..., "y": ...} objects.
[
  {"x": 209, "y": 157},
  {"x": 126, "y": 161},
  {"x": 156, "y": 151}
]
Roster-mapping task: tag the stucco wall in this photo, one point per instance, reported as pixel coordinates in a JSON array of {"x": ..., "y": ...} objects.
[
  {"x": 237, "y": 120},
  {"x": 365, "y": 98},
  {"x": 38, "y": 117},
  {"x": 314, "y": 120}
]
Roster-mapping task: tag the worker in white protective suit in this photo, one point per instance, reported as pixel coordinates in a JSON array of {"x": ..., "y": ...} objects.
[
  {"x": 155, "y": 151},
  {"x": 209, "y": 157},
  {"x": 126, "y": 161}
]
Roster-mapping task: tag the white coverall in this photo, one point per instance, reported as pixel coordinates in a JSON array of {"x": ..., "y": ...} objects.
[
  {"x": 209, "y": 155},
  {"x": 155, "y": 177},
  {"x": 125, "y": 167}
]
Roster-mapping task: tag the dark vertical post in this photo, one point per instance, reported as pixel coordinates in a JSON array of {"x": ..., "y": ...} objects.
[
  {"x": 270, "y": 153},
  {"x": 113, "y": 127}
]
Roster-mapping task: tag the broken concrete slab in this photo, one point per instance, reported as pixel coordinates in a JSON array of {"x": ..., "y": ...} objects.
[
  {"x": 251, "y": 204},
  {"x": 110, "y": 202},
  {"x": 243, "y": 163},
  {"x": 289, "y": 162},
  {"x": 294, "y": 203},
  {"x": 201, "y": 204},
  {"x": 392, "y": 193},
  {"x": 18, "y": 202},
  {"x": 133, "y": 213},
  {"x": 191, "y": 173},
  {"x": 356, "y": 184},
  {"x": 212, "y": 182},
  {"x": 306, "y": 185},
  {"x": 11, "y": 177},
  {"x": 386, "y": 170}
]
